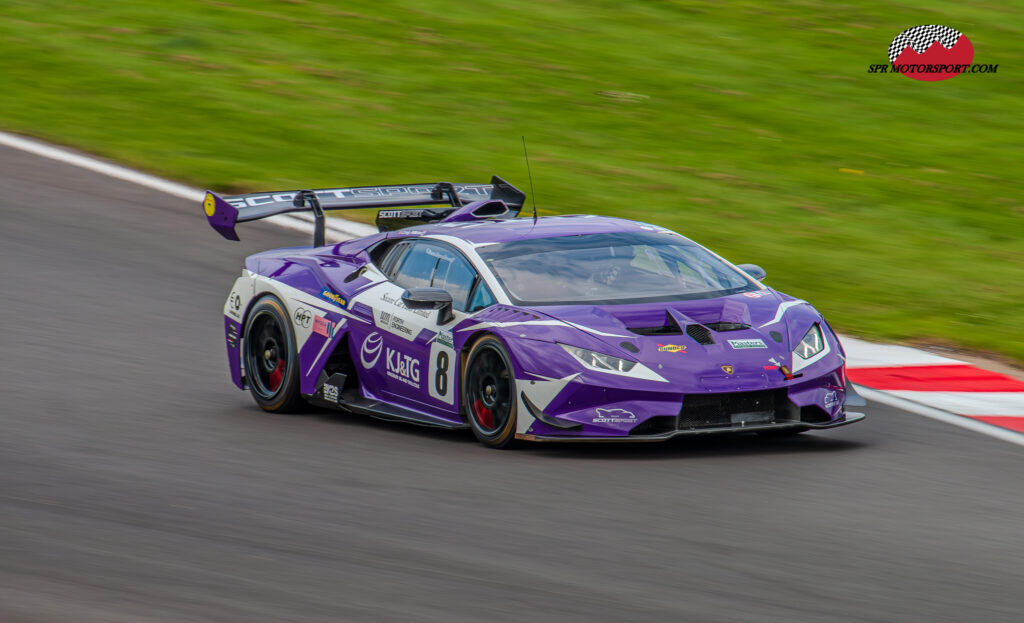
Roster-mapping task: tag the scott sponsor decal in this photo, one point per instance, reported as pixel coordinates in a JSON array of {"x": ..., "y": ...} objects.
[
  {"x": 613, "y": 416},
  {"x": 370, "y": 352},
  {"x": 756, "y": 294},
  {"x": 745, "y": 344},
  {"x": 333, "y": 297},
  {"x": 344, "y": 196},
  {"x": 403, "y": 367},
  {"x": 831, "y": 399}
]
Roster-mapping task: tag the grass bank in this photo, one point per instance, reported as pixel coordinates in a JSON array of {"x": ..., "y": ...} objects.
[{"x": 893, "y": 205}]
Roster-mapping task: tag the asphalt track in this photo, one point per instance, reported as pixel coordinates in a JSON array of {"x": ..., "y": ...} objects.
[{"x": 136, "y": 484}]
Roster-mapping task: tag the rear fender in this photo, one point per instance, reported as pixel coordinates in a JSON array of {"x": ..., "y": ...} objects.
[
  {"x": 319, "y": 324},
  {"x": 236, "y": 309}
]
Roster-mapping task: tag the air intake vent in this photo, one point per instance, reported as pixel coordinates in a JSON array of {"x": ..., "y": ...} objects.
[
  {"x": 670, "y": 327},
  {"x": 726, "y": 326},
  {"x": 700, "y": 333}
]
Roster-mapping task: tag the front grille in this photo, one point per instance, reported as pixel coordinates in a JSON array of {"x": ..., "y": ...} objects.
[{"x": 732, "y": 410}]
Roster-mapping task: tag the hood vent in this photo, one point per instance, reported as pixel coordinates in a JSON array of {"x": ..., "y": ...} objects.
[
  {"x": 700, "y": 333},
  {"x": 670, "y": 327},
  {"x": 726, "y": 326}
]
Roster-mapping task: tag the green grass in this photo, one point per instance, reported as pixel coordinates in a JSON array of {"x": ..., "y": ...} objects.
[{"x": 729, "y": 122}]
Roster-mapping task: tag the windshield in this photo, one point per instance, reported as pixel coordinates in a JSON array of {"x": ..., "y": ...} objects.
[{"x": 636, "y": 267}]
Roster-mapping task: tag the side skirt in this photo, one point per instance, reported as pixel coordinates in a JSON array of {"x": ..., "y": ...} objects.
[{"x": 331, "y": 395}]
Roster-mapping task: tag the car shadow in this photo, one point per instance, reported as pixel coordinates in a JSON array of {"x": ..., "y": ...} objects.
[
  {"x": 702, "y": 446},
  {"x": 697, "y": 446}
]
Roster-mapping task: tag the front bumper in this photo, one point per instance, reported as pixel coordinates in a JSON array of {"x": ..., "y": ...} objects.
[{"x": 794, "y": 426}]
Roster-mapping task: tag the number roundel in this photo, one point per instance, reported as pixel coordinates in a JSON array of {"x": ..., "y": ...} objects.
[{"x": 443, "y": 363}]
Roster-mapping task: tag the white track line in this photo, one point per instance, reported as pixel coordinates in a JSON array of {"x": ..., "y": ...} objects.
[
  {"x": 339, "y": 227},
  {"x": 940, "y": 415},
  {"x": 348, "y": 229}
]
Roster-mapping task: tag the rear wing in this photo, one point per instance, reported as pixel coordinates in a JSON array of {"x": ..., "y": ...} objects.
[{"x": 499, "y": 199}]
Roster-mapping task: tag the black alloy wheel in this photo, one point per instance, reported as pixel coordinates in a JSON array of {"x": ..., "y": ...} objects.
[
  {"x": 271, "y": 360},
  {"x": 489, "y": 393}
]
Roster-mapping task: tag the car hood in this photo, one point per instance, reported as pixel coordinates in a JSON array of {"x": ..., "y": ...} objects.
[{"x": 749, "y": 334}]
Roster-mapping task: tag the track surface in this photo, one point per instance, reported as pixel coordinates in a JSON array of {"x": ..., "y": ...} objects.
[{"x": 136, "y": 484}]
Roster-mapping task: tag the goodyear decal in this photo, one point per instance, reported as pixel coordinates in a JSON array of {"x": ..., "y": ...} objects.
[{"x": 333, "y": 297}]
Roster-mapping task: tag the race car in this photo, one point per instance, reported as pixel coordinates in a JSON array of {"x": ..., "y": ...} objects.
[{"x": 460, "y": 313}]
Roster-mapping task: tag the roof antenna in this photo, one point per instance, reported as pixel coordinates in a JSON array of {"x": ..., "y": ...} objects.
[{"x": 530, "y": 176}]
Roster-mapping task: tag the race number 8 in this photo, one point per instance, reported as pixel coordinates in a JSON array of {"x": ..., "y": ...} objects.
[
  {"x": 442, "y": 366},
  {"x": 441, "y": 375}
]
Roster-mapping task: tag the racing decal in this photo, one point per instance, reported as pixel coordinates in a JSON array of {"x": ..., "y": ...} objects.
[
  {"x": 334, "y": 297},
  {"x": 445, "y": 338},
  {"x": 672, "y": 348},
  {"x": 389, "y": 298},
  {"x": 302, "y": 317},
  {"x": 402, "y": 367},
  {"x": 390, "y": 313},
  {"x": 538, "y": 323},
  {"x": 371, "y": 350},
  {"x": 323, "y": 326},
  {"x": 541, "y": 391},
  {"x": 442, "y": 372},
  {"x": 756, "y": 294},
  {"x": 782, "y": 310},
  {"x": 747, "y": 344},
  {"x": 728, "y": 369},
  {"x": 613, "y": 416},
  {"x": 393, "y": 323},
  {"x": 832, "y": 399},
  {"x": 361, "y": 195},
  {"x": 209, "y": 204},
  {"x": 234, "y": 305},
  {"x": 232, "y": 335},
  {"x": 331, "y": 392}
]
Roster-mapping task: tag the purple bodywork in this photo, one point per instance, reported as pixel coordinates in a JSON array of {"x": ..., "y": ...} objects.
[{"x": 701, "y": 380}]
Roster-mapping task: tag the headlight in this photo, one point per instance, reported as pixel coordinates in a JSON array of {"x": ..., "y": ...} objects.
[
  {"x": 812, "y": 343},
  {"x": 598, "y": 361}
]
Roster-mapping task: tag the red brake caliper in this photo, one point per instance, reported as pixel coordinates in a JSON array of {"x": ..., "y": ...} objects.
[
  {"x": 483, "y": 414},
  {"x": 276, "y": 376}
]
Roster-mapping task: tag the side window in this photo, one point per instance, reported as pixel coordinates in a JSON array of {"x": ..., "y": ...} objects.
[
  {"x": 482, "y": 298},
  {"x": 417, "y": 267},
  {"x": 455, "y": 275},
  {"x": 388, "y": 263}
]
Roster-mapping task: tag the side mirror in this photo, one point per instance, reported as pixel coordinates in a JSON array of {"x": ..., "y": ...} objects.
[
  {"x": 753, "y": 270},
  {"x": 430, "y": 298}
]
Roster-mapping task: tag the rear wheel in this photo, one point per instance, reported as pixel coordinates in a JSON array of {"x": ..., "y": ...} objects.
[
  {"x": 489, "y": 393},
  {"x": 271, "y": 360}
]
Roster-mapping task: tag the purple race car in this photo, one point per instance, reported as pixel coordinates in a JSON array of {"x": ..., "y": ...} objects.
[{"x": 567, "y": 328}]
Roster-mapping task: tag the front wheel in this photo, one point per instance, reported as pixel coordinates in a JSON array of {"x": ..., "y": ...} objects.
[
  {"x": 271, "y": 359},
  {"x": 489, "y": 393}
]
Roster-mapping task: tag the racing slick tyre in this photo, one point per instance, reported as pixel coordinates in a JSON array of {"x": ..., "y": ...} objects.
[
  {"x": 271, "y": 359},
  {"x": 489, "y": 393}
]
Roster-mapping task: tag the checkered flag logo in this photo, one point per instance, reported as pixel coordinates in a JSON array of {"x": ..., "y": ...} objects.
[{"x": 920, "y": 38}]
